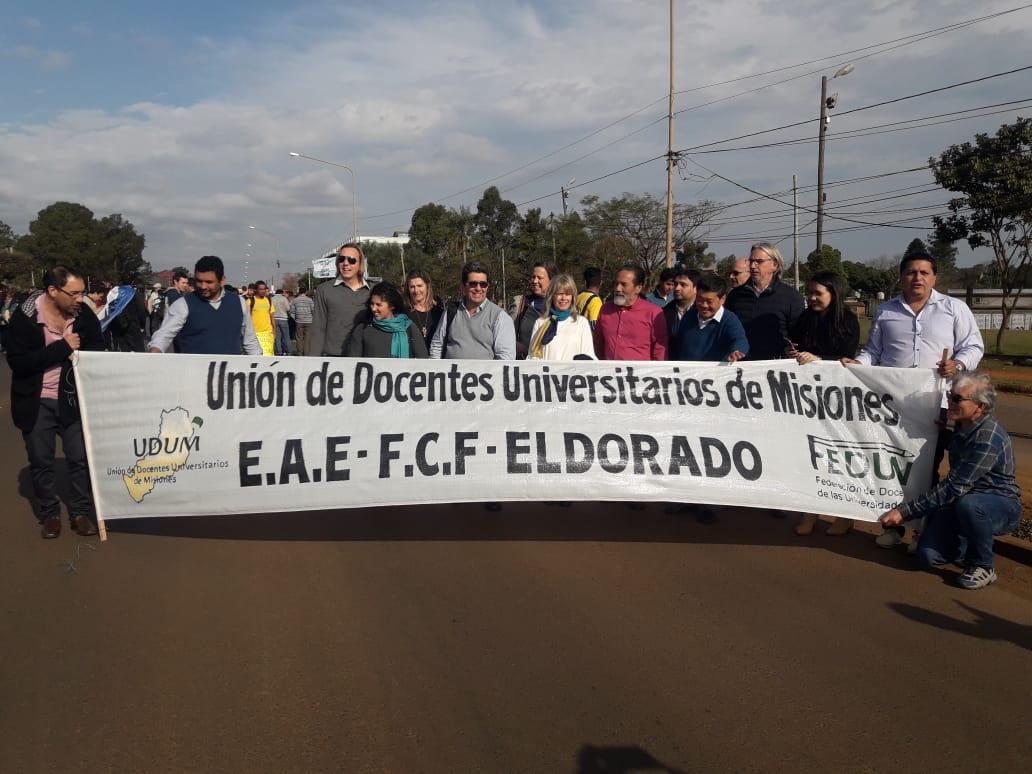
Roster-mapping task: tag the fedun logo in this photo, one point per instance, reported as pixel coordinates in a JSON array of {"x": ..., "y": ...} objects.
[{"x": 858, "y": 459}]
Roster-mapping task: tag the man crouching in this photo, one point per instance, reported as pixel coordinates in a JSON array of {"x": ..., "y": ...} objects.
[{"x": 978, "y": 499}]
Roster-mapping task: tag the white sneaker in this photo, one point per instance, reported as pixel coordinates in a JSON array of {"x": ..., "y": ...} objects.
[
  {"x": 977, "y": 578},
  {"x": 889, "y": 539}
]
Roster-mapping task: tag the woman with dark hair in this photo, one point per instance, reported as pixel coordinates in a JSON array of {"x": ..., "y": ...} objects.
[
  {"x": 532, "y": 306},
  {"x": 388, "y": 333},
  {"x": 826, "y": 330},
  {"x": 421, "y": 305}
]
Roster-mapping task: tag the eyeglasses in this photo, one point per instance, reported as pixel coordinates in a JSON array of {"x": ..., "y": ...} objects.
[
  {"x": 477, "y": 284},
  {"x": 759, "y": 260},
  {"x": 736, "y": 273},
  {"x": 347, "y": 259},
  {"x": 956, "y": 398},
  {"x": 73, "y": 293}
]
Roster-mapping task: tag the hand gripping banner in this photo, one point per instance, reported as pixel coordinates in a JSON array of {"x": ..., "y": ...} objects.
[{"x": 177, "y": 435}]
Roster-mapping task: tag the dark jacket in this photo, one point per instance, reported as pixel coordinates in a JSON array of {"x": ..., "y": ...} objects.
[
  {"x": 813, "y": 333},
  {"x": 673, "y": 327},
  {"x": 367, "y": 340},
  {"x": 767, "y": 318},
  {"x": 29, "y": 357}
]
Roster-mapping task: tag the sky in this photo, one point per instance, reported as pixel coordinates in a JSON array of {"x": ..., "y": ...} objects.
[{"x": 181, "y": 116}]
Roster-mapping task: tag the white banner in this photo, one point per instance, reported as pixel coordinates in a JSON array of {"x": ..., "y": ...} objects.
[
  {"x": 324, "y": 268},
  {"x": 177, "y": 435}
]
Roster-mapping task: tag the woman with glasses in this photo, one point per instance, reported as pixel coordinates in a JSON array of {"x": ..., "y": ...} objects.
[
  {"x": 389, "y": 333},
  {"x": 561, "y": 333},
  {"x": 826, "y": 330}
]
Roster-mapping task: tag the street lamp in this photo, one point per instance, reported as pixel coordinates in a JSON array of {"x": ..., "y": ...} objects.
[
  {"x": 564, "y": 190},
  {"x": 354, "y": 189},
  {"x": 827, "y": 103},
  {"x": 275, "y": 241}
]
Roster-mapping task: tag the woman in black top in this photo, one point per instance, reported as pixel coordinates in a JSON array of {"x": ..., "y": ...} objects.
[
  {"x": 532, "y": 306},
  {"x": 389, "y": 333},
  {"x": 826, "y": 330},
  {"x": 421, "y": 305}
]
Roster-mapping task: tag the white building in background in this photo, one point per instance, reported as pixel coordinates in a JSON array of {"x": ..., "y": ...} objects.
[{"x": 987, "y": 306}]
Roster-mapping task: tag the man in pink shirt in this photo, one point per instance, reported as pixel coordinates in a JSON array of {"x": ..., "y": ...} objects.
[
  {"x": 44, "y": 334},
  {"x": 629, "y": 327}
]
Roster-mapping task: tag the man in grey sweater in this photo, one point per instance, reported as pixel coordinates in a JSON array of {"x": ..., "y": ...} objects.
[
  {"x": 340, "y": 304},
  {"x": 474, "y": 329}
]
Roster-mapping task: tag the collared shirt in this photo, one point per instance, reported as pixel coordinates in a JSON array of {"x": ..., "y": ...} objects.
[
  {"x": 655, "y": 298},
  {"x": 717, "y": 317},
  {"x": 178, "y": 312},
  {"x": 900, "y": 338},
  {"x": 981, "y": 462},
  {"x": 503, "y": 333},
  {"x": 635, "y": 332},
  {"x": 52, "y": 376}
]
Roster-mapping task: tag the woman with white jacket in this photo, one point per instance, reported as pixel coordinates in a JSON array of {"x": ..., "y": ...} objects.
[{"x": 560, "y": 333}]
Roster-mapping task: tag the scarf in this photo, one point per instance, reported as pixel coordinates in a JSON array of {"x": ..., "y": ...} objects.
[
  {"x": 397, "y": 326},
  {"x": 547, "y": 331}
]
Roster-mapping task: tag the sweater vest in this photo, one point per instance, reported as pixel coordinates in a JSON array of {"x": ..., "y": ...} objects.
[{"x": 211, "y": 331}]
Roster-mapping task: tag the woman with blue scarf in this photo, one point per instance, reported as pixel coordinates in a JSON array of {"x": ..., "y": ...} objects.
[
  {"x": 560, "y": 333},
  {"x": 387, "y": 334}
]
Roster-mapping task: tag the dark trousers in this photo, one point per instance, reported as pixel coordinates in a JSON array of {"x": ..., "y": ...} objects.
[
  {"x": 283, "y": 345},
  {"x": 41, "y": 444}
]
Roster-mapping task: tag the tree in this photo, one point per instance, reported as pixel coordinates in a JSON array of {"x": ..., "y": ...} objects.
[
  {"x": 496, "y": 219},
  {"x": 432, "y": 228},
  {"x": 916, "y": 246},
  {"x": 639, "y": 223},
  {"x": 696, "y": 255},
  {"x": 825, "y": 259},
  {"x": 945, "y": 254},
  {"x": 7, "y": 236},
  {"x": 994, "y": 177},
  {"x": 67, "y": 232}
]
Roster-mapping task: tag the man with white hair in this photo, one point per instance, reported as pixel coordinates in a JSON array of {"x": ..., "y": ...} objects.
[
  {"x": 978, "y": 499},
  {"x": 739, "y": 272},
  {"x": 767, "y": 307}
]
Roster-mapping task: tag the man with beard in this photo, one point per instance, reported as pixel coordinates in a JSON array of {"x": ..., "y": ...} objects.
[
  {"x": 209, "y": 321},
  {"x": 45, "y": 331},
  {"x": 629, "y": 327}
]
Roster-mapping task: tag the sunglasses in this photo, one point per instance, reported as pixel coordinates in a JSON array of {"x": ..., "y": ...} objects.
[
  {"x": 955, "y": 398},
  {"x": 476, "y": 284},
  {"x": 347, "y": 259}
]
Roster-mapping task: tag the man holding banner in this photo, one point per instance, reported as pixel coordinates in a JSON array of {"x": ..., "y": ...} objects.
[
  {"x": 42, "y": 339},
  {"x": 978, "y": 499},
  {"x": 912, "y": 331}
]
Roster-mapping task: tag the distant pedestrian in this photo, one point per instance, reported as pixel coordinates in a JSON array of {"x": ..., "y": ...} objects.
[
  {"x": 281, "y": 316},
  {"x": 301, "y": 309}
]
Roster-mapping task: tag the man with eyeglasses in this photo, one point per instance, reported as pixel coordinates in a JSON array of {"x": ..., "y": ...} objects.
[
  {"x": 911, "y": 331},
  {"x": 474, "y": 328},
  {"x": 978, "y": 499},
  {"x": 339, "y": 305},
  {"x": 739, "y": 273},
  {"x": 767, "y": 307},
  {"x": 209, "y": 321},
  {"x": 43, "y": 335}
]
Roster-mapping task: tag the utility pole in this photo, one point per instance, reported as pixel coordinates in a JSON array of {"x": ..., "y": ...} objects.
[
  {"x": 795, "y": 228},
  {"x": 820, "y": 161},
  {"x": 670, "y": 154}
]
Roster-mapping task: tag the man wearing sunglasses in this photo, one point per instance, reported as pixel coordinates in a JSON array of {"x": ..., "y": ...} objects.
[
  {"x": 739, "y": 273},
  {"x": 474, "y": 328},
  {"x": 43, "y": 335},
  {"x": 978, "y": 499},
  {"x": 339, "y": 305}
]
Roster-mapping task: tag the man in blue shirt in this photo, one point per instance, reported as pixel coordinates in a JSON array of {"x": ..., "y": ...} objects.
[{"x": 978, "y": 499}]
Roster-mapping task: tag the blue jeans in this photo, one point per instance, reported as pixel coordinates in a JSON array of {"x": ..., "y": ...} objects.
[
  {"x": 283, "y": 345},
  {"x": 967, "y": 527}
]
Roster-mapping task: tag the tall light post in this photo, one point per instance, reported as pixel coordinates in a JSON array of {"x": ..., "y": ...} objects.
[
  {"x": 827, "y": 103},
  {"x": 354, "y": 189},
  {"x": 275, "y": 241},
  {"x": 565, "y": 191}
]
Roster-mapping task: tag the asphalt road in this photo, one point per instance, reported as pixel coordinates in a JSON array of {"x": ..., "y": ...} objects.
[{"x": 449, "y": 639}]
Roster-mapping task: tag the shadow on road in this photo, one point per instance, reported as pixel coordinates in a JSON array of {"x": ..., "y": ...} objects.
[
  {"x": 620, "y": 760},
  {"x": 986, "y": 626}
]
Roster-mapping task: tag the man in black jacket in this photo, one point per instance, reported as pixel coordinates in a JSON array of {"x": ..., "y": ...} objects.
[
  {"x": 766, "y": 306},
  {"x": 45, "y": 331}
]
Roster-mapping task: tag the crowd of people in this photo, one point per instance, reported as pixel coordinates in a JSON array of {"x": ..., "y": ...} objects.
[{"x": 747, "y": 314}]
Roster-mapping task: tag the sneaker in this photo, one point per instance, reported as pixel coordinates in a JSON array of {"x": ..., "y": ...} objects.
[
  {"x": 890, "y": 538},
  {"x": 977, "y": 578}
]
